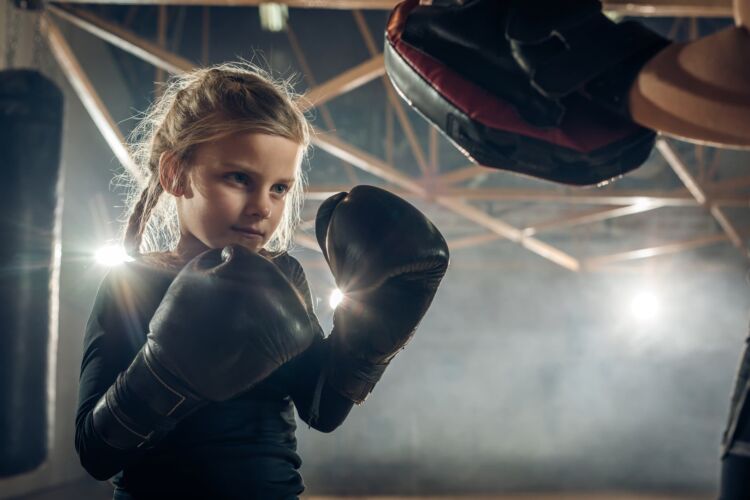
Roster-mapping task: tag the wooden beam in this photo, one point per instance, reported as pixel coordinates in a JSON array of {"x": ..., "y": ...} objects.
[
  {"x": 320, "y": 192},
  {"x": 388, "y": 132},
  {"x": 88, "y": 96},
  {"x": 205, "y": 35},
  {"x": 699, "y": 194},
  {"x": 345, "y": 82},
  {"x": 583, "y": 196},
  {"x": 643, "y": 253},
  {"x": 434, "y": 150},
  {"x": 660, "y": 8},
  {"x": 306, "y": 241},
  {"x": 372, "y": 47},
  {"x": 311, "y": 81},
  {"x": 473, "y": 170},
  {"x": 172, "y": 63},
  {"x": 682, "y": 171},
  {"x": 395, "y": 100},
  {"x": 590, "y": 216},
  {"x": 365, "y": 161},
  {"x": 306, "y": 225},
  {"x": 472, "y": 241},
  {"x": 301, "y": 4},
  {"x": 508, "y": 231},
  {"x": 379, "y": 168},
  {"x": 406, "y": 127},
  {"x": 677, "y": 198},
  {"x": 585, "y": 217},
  {"x": 123, "y": 39},
  {"x": 670, "y": 8},
  {"x": 464, "y": 173},
  {"x": 728, "y": 185},
  {"x": 161, "y": 30},
  {"x": 713, "y": 169}
]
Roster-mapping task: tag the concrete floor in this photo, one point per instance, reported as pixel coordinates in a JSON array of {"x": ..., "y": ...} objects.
[
  {"x": 529, "y": 496},
  {"x": 88, "y": 489}
]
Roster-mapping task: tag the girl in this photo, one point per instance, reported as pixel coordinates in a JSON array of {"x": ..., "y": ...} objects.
[
  {"x": 203, "y": 405},
  {"x": 223, "y": 148}
]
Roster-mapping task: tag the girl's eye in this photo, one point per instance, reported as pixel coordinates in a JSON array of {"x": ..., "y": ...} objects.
[
  {"x": 238, "y": 177},
  {"x": 280, "y": 188}
]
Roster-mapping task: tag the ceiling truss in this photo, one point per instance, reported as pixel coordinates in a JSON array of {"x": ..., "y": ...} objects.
[
  {"x": 662, "y": 8},
  {"x": 431, "y": 186}
]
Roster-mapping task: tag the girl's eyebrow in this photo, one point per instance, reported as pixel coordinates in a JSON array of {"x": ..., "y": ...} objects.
[
  {"x": 247, "y": 169},
  {"x": 241, "y": 166}
]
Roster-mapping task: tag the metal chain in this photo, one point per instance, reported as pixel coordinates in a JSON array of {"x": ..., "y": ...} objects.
[
  {"x": 37, "y": 45},
  {"x": 12, "y": 29}
]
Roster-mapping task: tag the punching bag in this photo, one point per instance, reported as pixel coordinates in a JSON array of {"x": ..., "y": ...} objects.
[{"x": 31, "y": 108}]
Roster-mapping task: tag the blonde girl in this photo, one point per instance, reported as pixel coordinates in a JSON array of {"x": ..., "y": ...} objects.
[{"x": 221, "y": 150}]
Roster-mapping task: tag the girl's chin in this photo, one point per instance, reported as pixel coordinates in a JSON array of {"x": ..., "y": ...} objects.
[{"x": 254, "y": 244}]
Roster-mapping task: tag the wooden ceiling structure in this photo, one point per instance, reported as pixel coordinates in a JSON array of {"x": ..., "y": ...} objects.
[
  {"x": 662, "y": 8},
  {"x": 443, "y": 189}
]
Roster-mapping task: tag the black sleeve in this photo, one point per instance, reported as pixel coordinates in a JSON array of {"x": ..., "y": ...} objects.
[
  {"x": 317, "y": 403},
  {"x": 110, "y": 344}
]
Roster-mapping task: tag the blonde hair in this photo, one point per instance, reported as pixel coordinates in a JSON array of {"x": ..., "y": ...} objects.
[{"x": 197, "y": 107}]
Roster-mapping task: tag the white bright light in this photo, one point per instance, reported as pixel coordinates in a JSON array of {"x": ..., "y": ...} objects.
[
  {"x": 273, "y": 16},
  {"x": 335, "y": 299},
  {"x": 643, "y": 203},
  {"x": 645, "y": 306},
  {"x": 111, "y": 255}
]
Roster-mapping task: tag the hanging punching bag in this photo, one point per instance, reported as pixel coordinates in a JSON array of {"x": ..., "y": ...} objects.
[{"x": 31, "y": 108}]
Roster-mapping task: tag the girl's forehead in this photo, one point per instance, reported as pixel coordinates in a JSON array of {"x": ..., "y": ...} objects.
[
  {"x": 251, "y": 151},
  {"x": 250, "y": 144}
]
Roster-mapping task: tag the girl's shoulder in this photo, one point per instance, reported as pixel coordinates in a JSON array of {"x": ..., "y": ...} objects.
[
  {"x": 140, "y": 274},
  {"x": 127, "y": 297},
  {"x": 159, "y": 261},
  {"x": 158, "y": 267}
]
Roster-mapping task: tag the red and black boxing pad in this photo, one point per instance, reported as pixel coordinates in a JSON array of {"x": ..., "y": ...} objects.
[{"x": 483, "y": 72}]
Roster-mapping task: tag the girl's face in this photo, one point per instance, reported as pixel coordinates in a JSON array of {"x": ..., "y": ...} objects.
[{"x": 236, "y": 191}]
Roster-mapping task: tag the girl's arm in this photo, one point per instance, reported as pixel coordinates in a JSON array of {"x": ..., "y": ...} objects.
[
  {"x": 317, "y": 403},
  {"x": 108, "y": 350}
]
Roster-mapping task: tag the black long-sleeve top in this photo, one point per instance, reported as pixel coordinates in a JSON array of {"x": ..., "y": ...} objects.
[{"x": 241, "y": 448}]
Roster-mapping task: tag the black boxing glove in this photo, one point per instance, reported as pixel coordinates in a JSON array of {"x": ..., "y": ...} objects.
[
  {"x": 228, "y": 320},
  {"x": 388, "y": 260}
]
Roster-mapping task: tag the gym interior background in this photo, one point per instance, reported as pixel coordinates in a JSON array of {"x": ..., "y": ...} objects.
[{"x": 600, "y": 368}]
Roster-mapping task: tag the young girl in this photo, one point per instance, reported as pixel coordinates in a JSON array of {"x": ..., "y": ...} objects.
[{"x": 195, "y": 358}]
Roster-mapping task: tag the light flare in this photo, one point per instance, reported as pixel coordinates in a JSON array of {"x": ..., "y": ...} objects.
[
  {"x": 112, "y": 255},
  {"x": 335, "y": 299}
]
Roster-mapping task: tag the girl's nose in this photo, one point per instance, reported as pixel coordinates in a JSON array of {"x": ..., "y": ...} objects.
[{"x": 258, "y": 206}]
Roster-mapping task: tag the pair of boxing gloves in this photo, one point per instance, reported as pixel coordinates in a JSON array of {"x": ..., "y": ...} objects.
[{"x": 230, "y": 318}]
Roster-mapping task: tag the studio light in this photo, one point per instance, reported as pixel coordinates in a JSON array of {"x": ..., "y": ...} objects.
[
  {"x": 111, "y": 255},
  {"x": 645, "y": 305},
  {"x": 335, "y": 298},
  {"x": 273, "y": 16}
]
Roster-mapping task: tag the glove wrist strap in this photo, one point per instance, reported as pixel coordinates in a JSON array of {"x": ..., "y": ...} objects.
[
  {"x": 143, "y": 404},
  {"x": 351, "y": 376}
]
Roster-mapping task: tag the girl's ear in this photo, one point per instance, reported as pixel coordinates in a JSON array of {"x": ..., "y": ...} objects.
[{"x": 171, "y": 178}]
